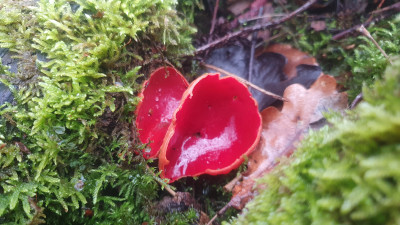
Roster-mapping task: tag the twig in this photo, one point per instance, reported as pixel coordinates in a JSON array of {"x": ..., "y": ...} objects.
[
  {"x": 272, "y": 38},
  {"x": 380, "y": 4},
  {"x": 220, "y": 212},
  {"x": 395, "y": 6},
  {"x": 214, "y": 18},
  {"x": 345, "y": 33},
  {"x": 357, "y": 100},
  {"x": 229, "y": 186},
  {"x": 282, "y": 5},
  {"x": 253, "y": 47},
  {"x": 366, "y": 33},
  {"x": 257, "y": 27},
  {"x": 167, "y": 188},
  {"x": 242, "y": 21},
  {"x": 244, "y": 81}
]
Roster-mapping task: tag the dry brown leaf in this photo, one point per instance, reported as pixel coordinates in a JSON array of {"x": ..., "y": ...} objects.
[
  {"x": 283, "y": 129},
  {"x": 294, "y": 58},
  {"x": 238, "y": 7},
  {"x": 253, "y": 11}
]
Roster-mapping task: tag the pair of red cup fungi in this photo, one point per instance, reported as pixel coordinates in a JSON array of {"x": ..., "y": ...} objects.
[{"x": 202, "y": 128}]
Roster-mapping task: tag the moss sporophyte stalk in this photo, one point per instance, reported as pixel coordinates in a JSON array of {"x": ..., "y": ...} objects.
[{"x": 74, "y": 91}]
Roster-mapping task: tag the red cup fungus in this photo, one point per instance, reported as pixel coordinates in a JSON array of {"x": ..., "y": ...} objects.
[
  {"x": 160, "y": 96},
  {"x": 216, "y": 123}
]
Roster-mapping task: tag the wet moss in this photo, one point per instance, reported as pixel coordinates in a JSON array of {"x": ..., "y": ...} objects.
[{"x": 66, "y": 142}]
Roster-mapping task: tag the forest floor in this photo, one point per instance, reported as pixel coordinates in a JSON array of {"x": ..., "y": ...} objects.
[{"x": 72, "y": 71}]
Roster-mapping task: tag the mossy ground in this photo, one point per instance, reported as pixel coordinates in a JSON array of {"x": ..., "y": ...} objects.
[{"x": 66, "y": 143}]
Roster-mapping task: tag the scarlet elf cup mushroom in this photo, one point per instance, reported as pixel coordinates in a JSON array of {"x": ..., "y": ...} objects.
[
  {"x": 216, "y": 123},
  {"x": 160, "y": 97}
]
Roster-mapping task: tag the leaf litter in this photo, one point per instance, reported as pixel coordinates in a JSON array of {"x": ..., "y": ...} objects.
[
  {"x": 274, "y": 68},
  {"x": 282, "y": 130},
  {"x": 282, "y": 70}
]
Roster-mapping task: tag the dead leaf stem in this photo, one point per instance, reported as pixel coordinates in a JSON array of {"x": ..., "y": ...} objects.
[
  {"x": 219, "y": 213},
  {"x": 167, "y": 188},
  {"x": 214, "y": 18},
  {"x": 366, "y": 33},
  {"x": 253, "y": 46},
  {"x": 357, "y": 100}
]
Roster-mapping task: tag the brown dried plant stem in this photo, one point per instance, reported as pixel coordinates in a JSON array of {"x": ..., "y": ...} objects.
[
  {"x": 214, "y": 18},
  {"x": 248, "y": 30},
  {"x": 253, "y": 46},
  {"x": 167, "y": 188},
  {"x": 243, "y": 81},
  {"x": 366, "y": 33},
  {"x": 395, "y": 8},
  {"x": 220, "y": 212}
]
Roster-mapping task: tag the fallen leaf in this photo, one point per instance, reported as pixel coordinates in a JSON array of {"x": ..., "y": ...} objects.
[
  {"x": 306, "y": 75},
  {"x": 274, "y": 68},
  {"x": 252, "y": 12},
  {"x": 294, "y": 58},
  {"x": 238, "y": 7},
  {"x": 282, "y": 130}
]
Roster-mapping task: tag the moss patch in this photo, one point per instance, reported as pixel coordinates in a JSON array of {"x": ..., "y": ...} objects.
[{"x": 66, "y": 144}]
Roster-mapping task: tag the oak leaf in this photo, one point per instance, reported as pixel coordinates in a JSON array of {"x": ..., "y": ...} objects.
[{"x": 282, "y": 130}]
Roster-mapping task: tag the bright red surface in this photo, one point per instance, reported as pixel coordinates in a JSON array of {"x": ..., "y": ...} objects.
[
  {"x": 161, "y": 95},
  {"x": 216, "y": 124}
]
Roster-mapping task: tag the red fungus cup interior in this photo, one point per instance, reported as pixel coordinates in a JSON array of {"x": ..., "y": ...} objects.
[
  {"x": 216, "y": 124},
  {"x": 161, "y": 95}
]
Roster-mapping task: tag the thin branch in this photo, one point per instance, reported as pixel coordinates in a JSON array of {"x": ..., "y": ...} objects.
[
  {"x": 357, "y": 100},
  {"x": 366, "y": 33},
  {"x": 229, "y": 186},
  {"x": 253, "y": 46},
  {"x": 214, "y": 18},
  {"x": 244, "y": 81},
  {"x": 242, "y": 21},
  {"x": 380, "y": 4},
  {"x": 219, "y": 213},
  {"x": 379, "y": 10},
  {"x": 167, "y": 188},
  {"x": 257, "y": 27},
  {"x": 395, "y": 7}
]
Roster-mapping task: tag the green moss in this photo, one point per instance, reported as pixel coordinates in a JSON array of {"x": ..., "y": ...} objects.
[
  {"x": 346, "y": 174},
  {"x": 367, "y": 63},
  {"x": 69, "y": 124},
  {"x": 191, "y": 216}
]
